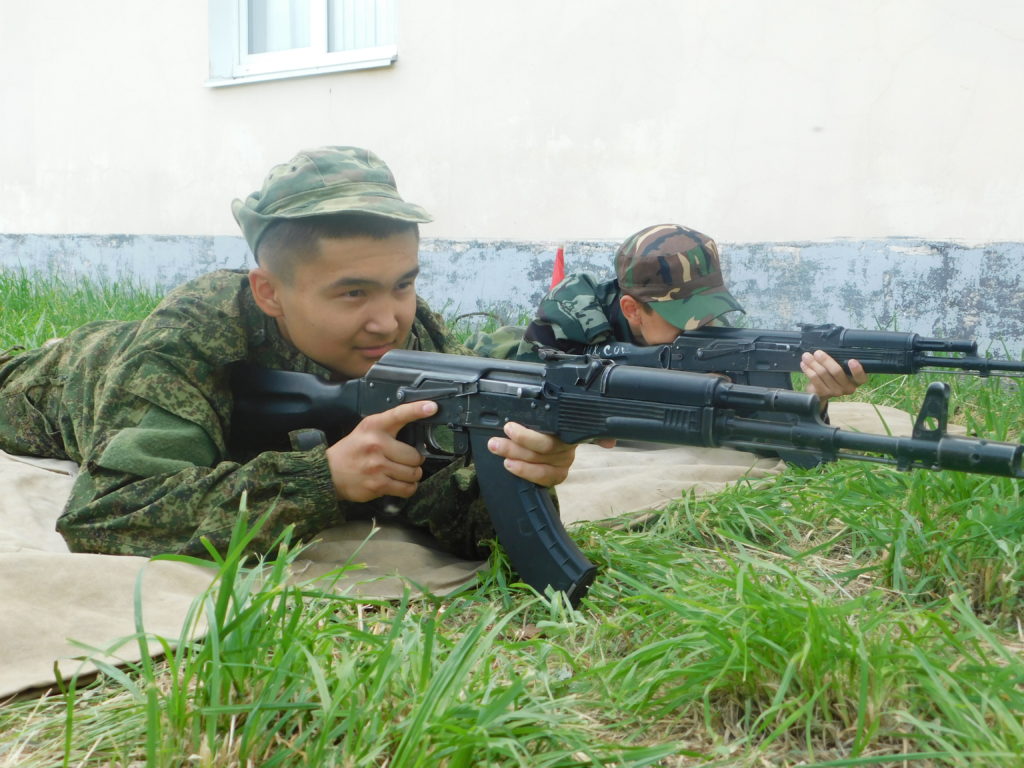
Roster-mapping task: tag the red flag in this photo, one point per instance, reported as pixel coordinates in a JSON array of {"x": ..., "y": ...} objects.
[{"x": 558, "y": 273}]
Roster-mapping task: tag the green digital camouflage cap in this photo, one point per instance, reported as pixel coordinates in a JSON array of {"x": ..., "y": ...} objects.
[
  {"x": 677, "y": 272},
  {"x": 324, "y": 181}
]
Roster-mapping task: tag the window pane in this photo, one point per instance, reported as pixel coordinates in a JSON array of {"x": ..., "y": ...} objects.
[
  {"x": 354, "y": 24},
  {"x": 278, "y": 25}
]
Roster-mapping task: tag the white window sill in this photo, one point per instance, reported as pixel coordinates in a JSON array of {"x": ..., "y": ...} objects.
[{"x": 259, "y": 77}]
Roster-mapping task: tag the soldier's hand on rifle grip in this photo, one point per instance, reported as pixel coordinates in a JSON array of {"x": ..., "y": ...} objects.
[
  {"x": 539, "y": 458},
  {"x": 371, "y": 461},
  {"x": 827, "y": 379}
]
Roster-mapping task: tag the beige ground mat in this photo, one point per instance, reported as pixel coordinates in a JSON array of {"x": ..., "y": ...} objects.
[{"x": 54, "y": 603}]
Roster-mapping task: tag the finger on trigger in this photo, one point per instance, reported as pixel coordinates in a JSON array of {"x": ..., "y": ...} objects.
[{"x": 406, "y": 413}]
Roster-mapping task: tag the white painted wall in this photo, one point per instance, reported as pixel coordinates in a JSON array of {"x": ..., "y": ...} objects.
[{"x": 753, "y": 120}]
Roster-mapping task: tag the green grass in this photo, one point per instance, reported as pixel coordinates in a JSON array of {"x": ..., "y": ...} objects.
[
  {"x": 35, "y": 308},
  {"x": 842, "y": 616}
]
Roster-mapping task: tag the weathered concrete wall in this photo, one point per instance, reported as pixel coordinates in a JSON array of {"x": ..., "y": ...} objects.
[
  {"x": 934, "y": 288},
  {"x": 940, "y": 289},
  {"x": 159, "y": 261}
]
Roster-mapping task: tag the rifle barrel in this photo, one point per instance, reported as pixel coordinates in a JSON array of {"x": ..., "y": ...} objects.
[
  {"x": 983, "y": 365},
  {"x": 919, "y": 452}
]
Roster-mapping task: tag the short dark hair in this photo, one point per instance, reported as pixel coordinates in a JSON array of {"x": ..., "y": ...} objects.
[{"x": 289, "y": 242}]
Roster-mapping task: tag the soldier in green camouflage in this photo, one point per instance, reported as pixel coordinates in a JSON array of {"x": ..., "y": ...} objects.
[
  {"x": 145, "y": 408},
  {"x": 668, "y": 280}
]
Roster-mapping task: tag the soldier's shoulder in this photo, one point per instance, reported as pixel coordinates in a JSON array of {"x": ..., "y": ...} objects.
[
  {"x": 212, "y": 287},
  {"x": 577, "y": 284},
  {"x": 431, "y": 333},
  {"x": 501, "y": 343}
]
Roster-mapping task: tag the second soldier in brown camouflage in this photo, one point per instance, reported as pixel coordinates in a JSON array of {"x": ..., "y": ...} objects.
[{"x": 668, "y": 280}]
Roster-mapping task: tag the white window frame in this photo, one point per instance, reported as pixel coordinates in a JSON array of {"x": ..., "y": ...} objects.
[{"x": 232, "y": 64}]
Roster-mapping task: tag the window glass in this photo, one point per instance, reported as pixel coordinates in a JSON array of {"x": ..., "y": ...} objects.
[
  {"x": 253, "y": 40},
  {"x": 278, "y": 25},
  {"x": 354, "y": 24}
]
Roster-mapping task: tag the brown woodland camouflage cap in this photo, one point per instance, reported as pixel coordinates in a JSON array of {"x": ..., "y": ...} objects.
[
  {"x": 677, "y": 272},
  {"x": 324, "y": 181}
]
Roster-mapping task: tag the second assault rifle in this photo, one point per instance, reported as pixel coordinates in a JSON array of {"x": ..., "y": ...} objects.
[
  {"x": 578, "y": 398},
  {"x": 766, "y": 357}
]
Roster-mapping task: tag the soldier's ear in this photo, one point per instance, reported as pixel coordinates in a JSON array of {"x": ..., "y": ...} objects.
[
  {"x": 265, "y": 287},
  {"x": 630, "y": 308}
]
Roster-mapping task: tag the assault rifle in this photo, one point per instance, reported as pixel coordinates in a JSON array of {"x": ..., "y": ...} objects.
[
  {"x": 579, "y": 398},
  {"x": 766, "y": 358}
]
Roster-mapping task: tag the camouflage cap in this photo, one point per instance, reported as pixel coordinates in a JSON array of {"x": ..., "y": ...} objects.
[
  {"x": 324, "y": 181},
  {"x": 677, "y": 272}
]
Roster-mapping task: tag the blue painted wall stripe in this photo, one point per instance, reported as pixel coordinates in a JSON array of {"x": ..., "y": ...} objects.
[{"x": 934, "y": 288}]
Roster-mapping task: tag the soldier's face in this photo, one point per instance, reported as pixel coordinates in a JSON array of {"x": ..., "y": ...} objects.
[
  {"x": 350, "y": 305},
  {"x": 655, "y": 329}
]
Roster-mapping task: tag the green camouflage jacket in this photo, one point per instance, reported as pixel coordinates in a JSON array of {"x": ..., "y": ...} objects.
[
  {"x": 145, "y": 409},
  {"x": 576, "y": 313}
]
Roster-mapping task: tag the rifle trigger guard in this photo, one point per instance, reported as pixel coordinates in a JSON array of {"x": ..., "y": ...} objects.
[{"x": 935, "y": 407}]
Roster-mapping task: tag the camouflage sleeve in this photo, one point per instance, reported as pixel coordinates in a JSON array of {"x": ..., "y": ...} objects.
[
  {"x": 542, "y": 334},
  {"x": 144, "y": 496},
  {"x": 502, "y": 343},
  {"x": 570, "y": 317},
  {"x": 159, "y": 488}
]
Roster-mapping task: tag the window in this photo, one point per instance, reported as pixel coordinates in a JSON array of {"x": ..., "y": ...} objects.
[{"x": 252, "y": 40}]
